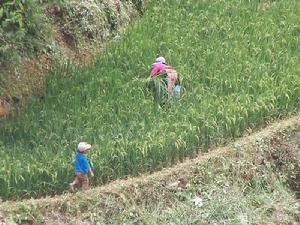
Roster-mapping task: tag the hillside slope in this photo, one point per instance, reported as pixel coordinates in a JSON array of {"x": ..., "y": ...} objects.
[
  {"x": 245, "y": 182},
  {"x": 36, "y": 37},
  {"x": 239, "y": 63}
]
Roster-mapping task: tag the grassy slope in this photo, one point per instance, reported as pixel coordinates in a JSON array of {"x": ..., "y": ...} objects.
[
  {"x": 242, "y": 183},
  {"x": 37, "y": 36},
  {"x": 228, "y": 52}
]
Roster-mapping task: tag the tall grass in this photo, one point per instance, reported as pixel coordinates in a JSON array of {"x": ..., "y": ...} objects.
[{"x": 239, "y": 64}]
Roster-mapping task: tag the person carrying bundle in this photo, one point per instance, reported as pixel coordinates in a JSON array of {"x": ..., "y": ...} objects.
[{"x": 160, "y": 66}]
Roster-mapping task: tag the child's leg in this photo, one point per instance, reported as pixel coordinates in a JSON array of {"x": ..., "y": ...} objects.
[
  {"x": 75, "y": 182},
  {"x": 85, "y": 182}
]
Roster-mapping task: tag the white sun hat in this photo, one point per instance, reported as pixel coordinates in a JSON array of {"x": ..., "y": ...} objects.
[
  {"x": 83, "y": 146},
  {"x": 160, "y": 60}
]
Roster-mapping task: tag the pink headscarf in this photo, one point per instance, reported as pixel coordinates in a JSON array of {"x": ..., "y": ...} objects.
[{"x": 157, "y": 67}]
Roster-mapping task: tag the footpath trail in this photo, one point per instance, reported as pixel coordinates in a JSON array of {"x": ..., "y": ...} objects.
[{"x": 59, "y": 209}]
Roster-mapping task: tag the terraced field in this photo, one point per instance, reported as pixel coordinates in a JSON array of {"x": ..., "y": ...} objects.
[{"x": 239, "y": 61}]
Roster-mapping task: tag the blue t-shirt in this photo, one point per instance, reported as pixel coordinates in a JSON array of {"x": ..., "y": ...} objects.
[{"x": 82, "y": 164}]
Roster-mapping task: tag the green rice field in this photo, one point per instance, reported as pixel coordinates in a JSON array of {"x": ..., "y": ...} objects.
[{"x": 240, "y": 67}]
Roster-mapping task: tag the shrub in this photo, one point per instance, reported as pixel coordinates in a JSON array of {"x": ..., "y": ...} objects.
[{"x": 22, "y": 27}]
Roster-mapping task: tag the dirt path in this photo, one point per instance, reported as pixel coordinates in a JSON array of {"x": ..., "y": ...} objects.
[{"x": 123, "y": 188}]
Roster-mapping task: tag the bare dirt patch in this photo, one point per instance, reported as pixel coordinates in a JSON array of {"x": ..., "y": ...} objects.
[
  {"x": 30, "y": 77},
  {"x": 4, "y": 106}
]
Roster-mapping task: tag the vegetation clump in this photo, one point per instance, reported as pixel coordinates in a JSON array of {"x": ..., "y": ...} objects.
[{"x": 52, "y": 30}]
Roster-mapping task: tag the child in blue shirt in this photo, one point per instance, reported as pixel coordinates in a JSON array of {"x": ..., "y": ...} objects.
[{"x": 82, "y": 167}]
